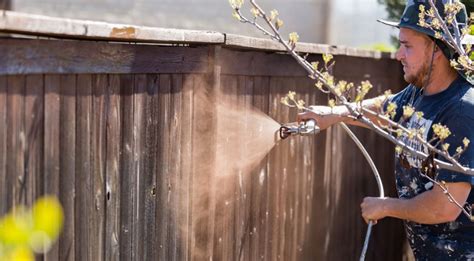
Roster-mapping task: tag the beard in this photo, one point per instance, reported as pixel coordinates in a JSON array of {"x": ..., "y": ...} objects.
[{"x": 421, "y": 77}]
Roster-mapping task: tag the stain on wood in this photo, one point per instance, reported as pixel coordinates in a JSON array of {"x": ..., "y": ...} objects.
[{"x": 127, "y": 32}]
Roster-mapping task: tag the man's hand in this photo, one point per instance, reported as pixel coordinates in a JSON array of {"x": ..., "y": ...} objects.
[
  {"x": 324, "y": 116},
  {"x": 373, "y": 209}
]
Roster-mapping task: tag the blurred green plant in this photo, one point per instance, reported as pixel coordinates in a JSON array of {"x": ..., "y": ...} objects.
[
  {"x": 24, "y": 232},
  {"x": 382, "y": 47}
]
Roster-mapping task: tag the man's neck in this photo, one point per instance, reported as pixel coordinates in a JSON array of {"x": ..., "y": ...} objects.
[{"x": 440, "y": 81}]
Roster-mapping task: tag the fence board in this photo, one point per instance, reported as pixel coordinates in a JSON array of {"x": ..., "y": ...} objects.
[
  {"x": 51, "y": 141},
  {"x": 34, "y": 127},
  {"x": 112, "y": 171},
  {"x": 153, "y": 122},
  {"x": 128, "y": 180},
  {"x": 98, "y": 159},
  {"x": 139, "y": 150},
  {"x": 45, "y": 56},
  {"x": 185, "y": 177},
  {"x": 3, "y": 145},
  {"x": 84, "y": 212},
  {"x": 15, "y": 140},
  {"x": 67, "y": 190},
  {"x": 175, "y": 167}
]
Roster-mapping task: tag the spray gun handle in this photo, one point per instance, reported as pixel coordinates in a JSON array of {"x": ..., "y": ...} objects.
[{"x": 308, "y": 128}]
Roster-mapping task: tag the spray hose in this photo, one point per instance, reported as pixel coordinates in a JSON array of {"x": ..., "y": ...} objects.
[{"x": 310, "y": 128}]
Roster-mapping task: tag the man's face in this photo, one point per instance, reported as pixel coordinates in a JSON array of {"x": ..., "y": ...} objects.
[{"x": 415, "y": 54}]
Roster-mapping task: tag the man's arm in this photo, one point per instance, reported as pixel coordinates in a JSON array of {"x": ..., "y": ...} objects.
[
  {"x": 430, "y": 207},
  {"x": 326, "y": 116}
]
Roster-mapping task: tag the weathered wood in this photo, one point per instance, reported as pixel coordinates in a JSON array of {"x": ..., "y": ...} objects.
[
  {"x": 67, "y": 190},
  {"x": 34, "y": 127},
  {"x": 85, "y": 206},
  {"x": 98, "y": 160},
  {"x": 15, "y": 141},
  {"x": 163, "y": 175},
  {"x": 128, "y": 181},
  {"x": 112, "y": 171},
  {"x": 175, "y": 168},
  {"x": 185, "y": 176},
  {"x": 3, "y": 145},
  {"x": 51, "y": 141},
  {"x": 27, "y": 56},
  {"x": 204, "y": 124},
  {"x": 71, "y": 28},
  {"x": 245, "y": 42}
]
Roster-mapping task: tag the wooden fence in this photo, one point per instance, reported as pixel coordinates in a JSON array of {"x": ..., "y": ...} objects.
[{"x": 126, "y": 134}]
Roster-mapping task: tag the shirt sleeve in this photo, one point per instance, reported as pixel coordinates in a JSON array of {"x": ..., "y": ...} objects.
[{"x": 461, "y": 126}]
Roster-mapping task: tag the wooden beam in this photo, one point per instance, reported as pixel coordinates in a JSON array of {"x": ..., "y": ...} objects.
[
  {"x": 71, "y": 28},
  {"x": 28, "y": 56}
]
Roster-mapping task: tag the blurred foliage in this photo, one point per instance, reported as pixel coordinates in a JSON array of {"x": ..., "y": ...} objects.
[
  {"x": 24, "y": 232},
  {"x": 382, "y": 47},
  {"x": 395, "y": 10}
]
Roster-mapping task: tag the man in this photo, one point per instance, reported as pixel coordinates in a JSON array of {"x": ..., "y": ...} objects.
[{"x": 435, "y": 227}]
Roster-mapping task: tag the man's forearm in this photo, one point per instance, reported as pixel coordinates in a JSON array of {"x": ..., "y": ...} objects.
[{"x": 343, "y": 112}]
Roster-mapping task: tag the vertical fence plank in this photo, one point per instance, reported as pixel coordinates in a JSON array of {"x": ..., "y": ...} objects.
[
  {"x": 260, "y": 180},
  {"x": 128, "y": 192},
  {"x": 51, "y": 141},
  {"x": 67, "y": 190},
  {"x": 15, "y": 140},
  {"x": 175, "y": 138},
  {"x": 139, "y": 121},
  {"x": 185, "y": 175},
  {"x": 204, "y": 125},
  {"x": 34, "y": 127},
  {"x": 3, "y": 145},
  {"x": 84, "y": 211},
  {"x": 112, "y": 172},
  {"x": 98, "y": 159},
  {"x": 153, "y": 123},
  {"x": 163, "y": 174}
]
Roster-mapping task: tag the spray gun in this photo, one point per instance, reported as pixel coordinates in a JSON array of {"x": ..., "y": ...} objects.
[{"x": 304, "y": 128}]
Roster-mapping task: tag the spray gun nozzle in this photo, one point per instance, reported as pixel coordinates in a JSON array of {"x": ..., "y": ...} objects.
[{"x": 304, "y": 128}]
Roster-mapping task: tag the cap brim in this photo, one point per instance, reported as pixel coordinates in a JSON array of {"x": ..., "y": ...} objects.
[{"x": 389, "y": 23}]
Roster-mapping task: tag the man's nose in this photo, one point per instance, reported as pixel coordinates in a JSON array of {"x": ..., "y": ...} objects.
[{"x": 398, "y": 54}]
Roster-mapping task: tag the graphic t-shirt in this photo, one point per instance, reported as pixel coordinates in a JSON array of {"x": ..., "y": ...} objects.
[{"x": 454, "y": 108}]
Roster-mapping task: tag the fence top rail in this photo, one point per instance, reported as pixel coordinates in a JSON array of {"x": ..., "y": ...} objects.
[{"x": 40, "y": 25}]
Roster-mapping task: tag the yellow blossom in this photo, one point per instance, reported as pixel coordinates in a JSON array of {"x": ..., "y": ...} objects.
[
  {"x": 332, "y": 103},
  {"x": 273, "y": 14},
  {"x": 327, "y": 57},
  {"x": 300, "y": 104},
  {"x": 291, "y": 95},
  {"x": 293, "y": 38},
  {"x": 236, "y": 4},
  {"x": 442, "y": 132},
  {"x": 255, "y": 12},
  {"x": 236, "y": 15},
  {"x": 408, "y": 111},
  {"x": 419, "y": 115},
  {"x": 466, "y": 142},
  {"x": 319, "y": 85},
  {"x": 445, "y": 146},
  {"x": 315, "y": 65},
  {"x": 398, "y": 150},
  {"x": 459, "y": 150},
  {"x": 278, "y": 23}
]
